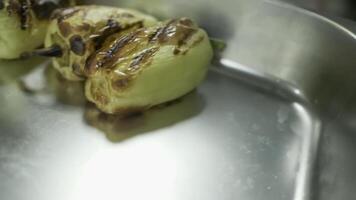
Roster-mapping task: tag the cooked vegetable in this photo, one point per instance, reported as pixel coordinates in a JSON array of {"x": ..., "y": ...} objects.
[
  {"x": 23, "y": 25},
  {"x": 140, "y": 69},
  {"x": 76, "y": 33}
]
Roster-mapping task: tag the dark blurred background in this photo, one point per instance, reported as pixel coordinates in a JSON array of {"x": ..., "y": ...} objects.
[{"x": 341, "y": 8}]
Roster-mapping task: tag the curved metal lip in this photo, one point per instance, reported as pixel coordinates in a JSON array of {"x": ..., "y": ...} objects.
[
  {"x": 265, "y": 81},
  {"x": 290, "y": 92},
  {"x": 281, "y": 87}
]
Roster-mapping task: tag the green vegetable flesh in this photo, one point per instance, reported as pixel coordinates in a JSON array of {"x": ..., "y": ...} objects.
[
  {"x": 148, "y": 66},
  {"x": 82, "y": 30},
  {"x": 23, "y": 25}
]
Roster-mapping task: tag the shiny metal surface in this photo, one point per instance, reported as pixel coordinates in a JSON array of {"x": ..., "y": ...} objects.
[
  {"x": 344, "y": 8},
  {"x": 237, "y": 142},
  {"x": 275, "y": 119}
]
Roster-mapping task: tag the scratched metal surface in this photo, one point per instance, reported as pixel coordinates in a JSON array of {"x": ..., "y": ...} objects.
[{"x": 273, "y": 120}]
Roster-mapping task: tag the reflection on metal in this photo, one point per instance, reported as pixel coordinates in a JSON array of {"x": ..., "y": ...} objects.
[
  {"x": 264, "y": 81},
  {"x": 308, "y": 154},
  {"x": 310, "y": 124},
  {"x": 67, "y": 92},
  {"x": 274, "y": 120},
  {"x": 11, "y": 71},
  {"x": 118, "y": 128}
]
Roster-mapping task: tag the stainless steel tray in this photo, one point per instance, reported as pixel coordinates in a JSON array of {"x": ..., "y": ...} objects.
[{"x": 275, "y": 119}]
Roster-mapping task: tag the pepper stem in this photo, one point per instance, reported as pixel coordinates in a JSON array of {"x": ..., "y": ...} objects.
[{"x": 53, "y": 51}]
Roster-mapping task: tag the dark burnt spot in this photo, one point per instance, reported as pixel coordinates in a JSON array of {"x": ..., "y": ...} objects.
[
  {"x": 24, "y": 14},
  {"x": 107, "y": 57},
  {"x": 117, "y": 46},
  {"x": 176, "y": 32},
  {"x": 90, "y": 64},
  {"x": 186, "y": 35},
  {"x": 114, "y": 46},
  {"x": 155, "y": 35},
  {"x": 2, "y": 5},
  {"x": 122, "y": 83},
  {"x": 21, "y": 8},
  {"x": 110, "y": 28},
  {"x": 125, "y": 81},
  {"x": 138, "y": 24},
  {"x": 199, "y": 40},
  {"x": 162, "y": 33},
  {"x": 176, "y": 51},
  {"x": 77, "y": 45},
  {"x": 13, "y": 7},
  {"x": 77, "y": 70},
  {"x": 186, "y": 22},
  {"x": 44, "y": 10},
  {"x": 111, "y": 25},
  {"x": 65, "y": 28},
  {"x": 142, "y": 59}
]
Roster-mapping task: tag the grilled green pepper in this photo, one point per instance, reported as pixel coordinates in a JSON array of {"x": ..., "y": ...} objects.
[
  {"x": 24, "y": 25},
  {"x": 76, "y": 33},
  {"x": 148, "y": 66}
]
